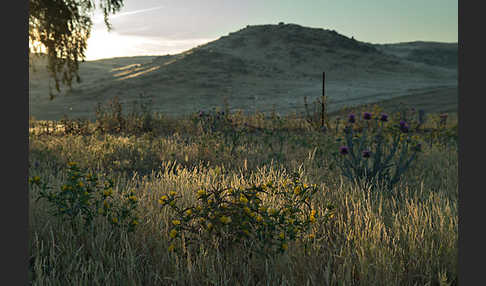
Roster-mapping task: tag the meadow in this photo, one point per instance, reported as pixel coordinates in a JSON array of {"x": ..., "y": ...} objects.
[{"x": 351, "y": 233}]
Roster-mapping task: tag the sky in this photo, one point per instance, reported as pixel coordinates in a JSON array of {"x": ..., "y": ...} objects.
[{"x": 160, "y": 27}]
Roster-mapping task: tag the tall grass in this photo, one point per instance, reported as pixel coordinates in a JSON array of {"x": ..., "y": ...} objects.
[{"x": 403, "y": 236}]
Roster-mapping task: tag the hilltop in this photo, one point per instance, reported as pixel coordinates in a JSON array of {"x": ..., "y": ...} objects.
[{"x": 257, "y": 67}]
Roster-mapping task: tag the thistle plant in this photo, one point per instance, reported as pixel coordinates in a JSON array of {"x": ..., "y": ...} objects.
[
  {"x": 83, "y": 198},
  {"x": 376, "y": 151},
  {"x": 263, "y": 218}
]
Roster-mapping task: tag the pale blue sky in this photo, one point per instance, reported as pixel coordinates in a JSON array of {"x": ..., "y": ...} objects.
[{"x": 158, "y": 27}]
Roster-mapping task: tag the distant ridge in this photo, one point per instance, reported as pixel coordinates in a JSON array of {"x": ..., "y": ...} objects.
[{"x": 258, "y": 67}]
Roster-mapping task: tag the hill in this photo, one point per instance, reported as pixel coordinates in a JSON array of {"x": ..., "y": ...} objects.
[{"x": 257, "y": 67}]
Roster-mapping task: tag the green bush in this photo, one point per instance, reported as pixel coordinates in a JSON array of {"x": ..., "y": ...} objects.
[
  {"x": 82, "y": 199},
  {"x": 263, "y": 218}
]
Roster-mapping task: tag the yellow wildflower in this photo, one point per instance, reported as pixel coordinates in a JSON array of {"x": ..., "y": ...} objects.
[
  {"x": 188, "y": 212},
  {"x": 80, "y": 184},
  {"x": 245, "y": 231},
  {"x": 281, "y": 235},
  {"x": 173, "y": 233},
  {"x": 106, "y": 204},
  {"x": 297, "y": 190},
  {"x": 272, "y": 211},
  {"x": 176, "y": 222},
  {"x": 132, "y": 198},
  {"x": 163, "y": 199},
  {"x": 285, "y": 246},
  {"x": 115, "y": 220},
  {"x": 201, "y": 192},
  {"x": 313, "y": 212},
  {"x": 312, "y": 219},
  {"x": 72, "y": 164},
  {"x": 210, "y": 225},
  {"x": 312, "y": 236},
  {"x": 134, "y": 222},
  {"x": 259, "y": 218},
  {"x": 171, "y": 247},
  {"x": 225, "y": 219},
  {"x": 64, "y": 187},
  {"x": 247, "y": 210},
  {"x": 108, "y": 192},
  {"x": 243, "y": 199},
  {"x": 172, "y": 193}
]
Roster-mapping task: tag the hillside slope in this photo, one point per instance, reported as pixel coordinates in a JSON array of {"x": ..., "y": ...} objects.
[{"x": 255, "y": 68}]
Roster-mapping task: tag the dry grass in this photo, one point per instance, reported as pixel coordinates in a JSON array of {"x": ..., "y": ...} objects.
[{"x": 404, "y": 236}]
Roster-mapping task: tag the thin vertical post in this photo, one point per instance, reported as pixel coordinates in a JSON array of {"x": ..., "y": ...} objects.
[{"x": 323, "y": 100}]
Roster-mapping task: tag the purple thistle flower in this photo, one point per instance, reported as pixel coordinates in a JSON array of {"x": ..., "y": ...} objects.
[
  {"x": 366, "y": 153},
  {"x": 366, "y": 116},
  {"x": 201, "y": 113},
  {"x": 351, "y": 118},
  {"x": 384, "y": 117},
  {"x": 403, "y": 126},
  {"x": 344, "y": 150}
]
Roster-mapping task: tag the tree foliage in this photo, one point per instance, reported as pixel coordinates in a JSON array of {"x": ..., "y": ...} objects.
[{"x": 59, "y": 30}]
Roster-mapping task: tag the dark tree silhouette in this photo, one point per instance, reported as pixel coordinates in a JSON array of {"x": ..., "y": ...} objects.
[{"x": 59, "y": 30}]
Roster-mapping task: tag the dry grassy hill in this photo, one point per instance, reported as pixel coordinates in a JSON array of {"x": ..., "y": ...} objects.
[{"x": 257, "y": 67}]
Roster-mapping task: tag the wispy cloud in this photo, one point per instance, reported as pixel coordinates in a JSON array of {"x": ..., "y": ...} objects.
[{"x": 99, "y": 18}]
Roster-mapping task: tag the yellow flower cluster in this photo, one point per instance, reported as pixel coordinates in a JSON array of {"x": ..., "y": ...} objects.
[
  {"x": 225, "y": 219},
  {"x": 35, "y": 179},
  {"x": 297, "y": 190},
  {"x": 171, "y": 247},
  {"x": 173, "y": 233},
  {"x": 312, "y": 217},
  {"x": 108, "y": 192},
  {"x": 163, "y": 199},
  {"x": 201, "y": 192},
  {"x": 243, "y": 199}
]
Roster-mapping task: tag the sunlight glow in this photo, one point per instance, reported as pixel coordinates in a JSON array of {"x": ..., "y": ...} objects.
[{"x": 104, "y": 44}]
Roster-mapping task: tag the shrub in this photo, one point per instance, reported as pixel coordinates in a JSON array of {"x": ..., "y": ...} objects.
[
  {"x": 376, "y": 151},
  {"x": 82, "y": 199},
  {"x": 263, "y": 218}
]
